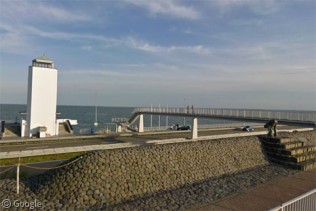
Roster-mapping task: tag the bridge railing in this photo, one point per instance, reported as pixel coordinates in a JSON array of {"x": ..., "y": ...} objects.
[
  {"x": 304, "y": 116},
  {"x": 119, "y": 120}
]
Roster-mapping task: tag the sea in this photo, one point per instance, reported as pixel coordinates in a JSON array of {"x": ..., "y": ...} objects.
[{"x": 85, "y": 115}]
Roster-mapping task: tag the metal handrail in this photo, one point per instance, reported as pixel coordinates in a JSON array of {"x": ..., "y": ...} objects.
[
  {"x": 119, "y": 120},
  {"x": 302, "y": 116},
  {"x": 204, "y": 126},
  {"x": 306, "y": 201}
]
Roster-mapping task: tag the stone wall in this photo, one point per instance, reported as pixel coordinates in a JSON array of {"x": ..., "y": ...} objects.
[{"x": 106, "y": 178}]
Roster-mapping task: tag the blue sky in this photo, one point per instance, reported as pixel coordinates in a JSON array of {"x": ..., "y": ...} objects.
[{"x": 210, "y": 53}]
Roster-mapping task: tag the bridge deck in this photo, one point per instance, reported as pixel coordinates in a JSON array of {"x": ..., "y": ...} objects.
[{"x": 285, "y": 117}]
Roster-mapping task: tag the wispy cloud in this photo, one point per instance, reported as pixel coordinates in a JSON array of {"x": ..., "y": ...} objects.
[
  {"x": 145, "y": 46},
  {"x": 113, "y": 73},
  {"x": 130, "y": 42},
  {"x": 258, "y": 6},
  {"x": 171, "y": 8},
  {"x": 38, "y": 11},
  {"x": 13, "y": 43},
  {"x": 96, "y": 72},
  {"x": 276, "y": 49},
  {"x": 86, "y": 48}
]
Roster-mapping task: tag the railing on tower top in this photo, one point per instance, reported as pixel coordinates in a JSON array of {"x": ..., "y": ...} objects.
[{"x": 303, "y": 116}]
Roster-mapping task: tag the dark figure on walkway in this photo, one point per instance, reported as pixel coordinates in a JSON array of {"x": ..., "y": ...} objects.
[{"x": 271, "y": 125}]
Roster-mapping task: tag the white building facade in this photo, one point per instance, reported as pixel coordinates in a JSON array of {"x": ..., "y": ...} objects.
[{"x": 41, "y": 99}]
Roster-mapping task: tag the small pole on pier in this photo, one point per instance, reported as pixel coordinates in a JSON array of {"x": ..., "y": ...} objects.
[{"x": 18, "y": 177}]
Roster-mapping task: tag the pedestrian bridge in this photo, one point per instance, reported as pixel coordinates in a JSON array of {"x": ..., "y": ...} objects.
[
  {"x": 299, "y": 117},
  {"x": 307, "y": 118}
]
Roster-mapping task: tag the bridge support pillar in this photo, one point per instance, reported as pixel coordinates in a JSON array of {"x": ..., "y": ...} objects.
[
  {"x": 194, "y": 131},
  {"x": 119, "y": 128},
  {"x": 141, "y": 124}
]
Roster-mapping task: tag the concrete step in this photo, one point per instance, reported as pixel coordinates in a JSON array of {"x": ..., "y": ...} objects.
[
  {"x": 302, "y": 150},
  {"x": 288, "y": 145},
  {"x": 295, "y": 159},
  {"x": 306, "y": 156},
  {"x": 296, "y": 151},
  {"x": 304, "y": 166},
  {"x": 280, "y": 140}
]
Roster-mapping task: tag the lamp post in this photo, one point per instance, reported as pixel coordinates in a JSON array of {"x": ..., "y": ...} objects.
[
  {"x": 159, "y": 118},
  {"x": 167, "y": 118},
  {"x": 151, "y": 117}
]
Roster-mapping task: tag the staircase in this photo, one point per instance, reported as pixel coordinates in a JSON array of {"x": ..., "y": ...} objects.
[
  {"x": 63, "y": 129},
  {"x": 12, "y": 130},
  {"x": 69, "y": 127},
  {"x": 294, "y": 153}
]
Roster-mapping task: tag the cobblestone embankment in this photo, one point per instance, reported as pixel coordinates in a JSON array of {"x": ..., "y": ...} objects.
[{"x": 173, "y": 176}]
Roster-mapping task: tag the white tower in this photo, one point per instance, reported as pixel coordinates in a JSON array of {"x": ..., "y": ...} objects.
[{"x": 41, "y": 98}]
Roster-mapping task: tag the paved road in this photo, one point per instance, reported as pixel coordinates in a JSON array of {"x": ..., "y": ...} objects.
[
  {"x": 118, "y": 139},
  {"x": 50, "y": 145}
]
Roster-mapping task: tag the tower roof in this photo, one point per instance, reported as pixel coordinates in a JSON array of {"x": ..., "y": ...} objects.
[{"x": 43, "y": 59}]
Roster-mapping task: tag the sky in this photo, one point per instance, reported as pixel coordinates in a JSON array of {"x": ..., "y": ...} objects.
[{"x": 255, "y": 54}]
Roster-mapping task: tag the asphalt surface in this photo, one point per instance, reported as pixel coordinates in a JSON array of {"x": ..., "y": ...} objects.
[
  {"x": 51, "y": 145},
  {"x": 118, "y": 139}
]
